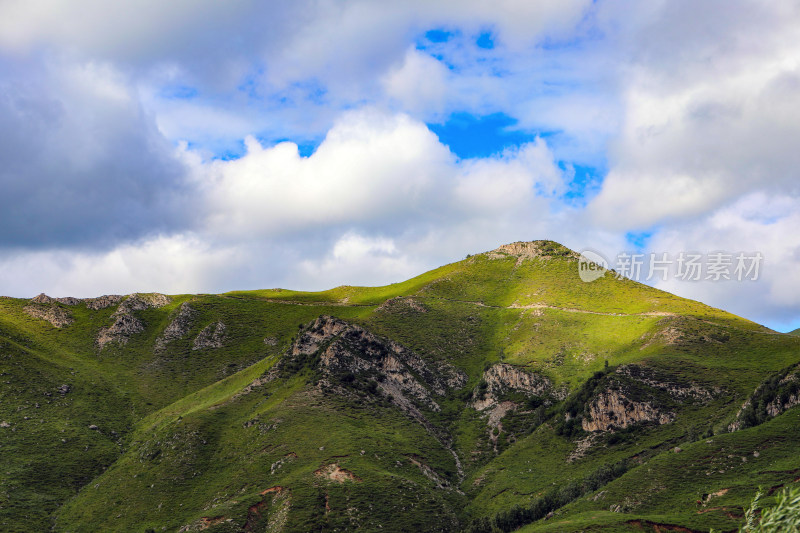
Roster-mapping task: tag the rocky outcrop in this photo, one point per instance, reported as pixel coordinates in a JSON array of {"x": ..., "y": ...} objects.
[
  {"x": 775, "y": 395},
  {"x": 397, "y": 372},
  {"x": 212, "y": 336},
  {"x": 675, "y": 388},
  {"x": 178, "y": 328},
  {"x": 103, "y": 302},
  {"x": 45, "y": 299},
  {"x": 125, "y": 323},
  {"x": 531, "y": 250},
  {"x": 613, "y": 409},
  {"x": 354, "y": 363},
  {"x": 56, "y": 315},
  {"x": 503, "y": 378},
  {"x": 140, "y": 302},
  {"x": 120, "y": 331}
]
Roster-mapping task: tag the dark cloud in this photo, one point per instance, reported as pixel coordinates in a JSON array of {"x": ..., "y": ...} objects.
[{"x": 82, "y": 164}]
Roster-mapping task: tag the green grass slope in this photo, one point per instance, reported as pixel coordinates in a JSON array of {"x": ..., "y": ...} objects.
[{"x": 457, "y": 400}]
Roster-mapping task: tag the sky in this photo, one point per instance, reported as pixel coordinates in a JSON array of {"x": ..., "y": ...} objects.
[{"x": 206, "y": 146}]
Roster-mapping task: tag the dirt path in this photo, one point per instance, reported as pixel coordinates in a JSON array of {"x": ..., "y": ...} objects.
[{"x": 547, "y": 306}]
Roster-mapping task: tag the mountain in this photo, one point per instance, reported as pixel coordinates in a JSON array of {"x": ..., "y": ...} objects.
[{"x": 500, "y": 392}]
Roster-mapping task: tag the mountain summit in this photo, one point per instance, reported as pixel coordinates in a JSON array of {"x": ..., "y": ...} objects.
[{"x": 493, "y": 393}]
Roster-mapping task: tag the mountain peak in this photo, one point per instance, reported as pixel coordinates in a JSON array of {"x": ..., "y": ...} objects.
[{"x": 531, "y": 249}]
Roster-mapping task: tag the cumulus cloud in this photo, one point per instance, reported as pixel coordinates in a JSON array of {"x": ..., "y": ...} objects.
[
  {"x": 171, "y": 264},
  {"x": 377, "y": 168},
  {"x": 757, "y": 223},
  {"x": 709, "y": 117},
  {"x": 420, "y": 83},
  {"x": 113, "y": 118},
  {"x": 370, "y": 260},
  {"x": 370, "y": 166}
]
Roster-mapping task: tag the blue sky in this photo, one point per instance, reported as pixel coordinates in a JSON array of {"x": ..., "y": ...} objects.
[{"x": 206, "y": 147}]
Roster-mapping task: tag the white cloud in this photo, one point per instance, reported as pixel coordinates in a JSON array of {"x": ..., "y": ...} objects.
[
  {"x": 170, "y": 264},
  {"x": 694, "y": 108},
  {"x": 709, "y": 117},
  {"x": 756, "y": 223},
  {"x": 355, "y": 258},
  {"x": 420, "y": 83},
  {"x": 370, "y": 166},
  {"x": 375, "y": 168}
]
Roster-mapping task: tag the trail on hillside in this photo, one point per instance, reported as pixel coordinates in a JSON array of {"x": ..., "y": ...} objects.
[{"x": 548, "y": 306}]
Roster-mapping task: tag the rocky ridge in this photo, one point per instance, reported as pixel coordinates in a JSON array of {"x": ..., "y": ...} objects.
[
  {"x": 103, "y": 302},
  {"x": 125, "y": 323},
  {"x": 56, "y": 315},
  {"x": 401, "y": 375},
  {"x": 353, "y": 362},
  {"x": 531, "y": 250},
  {"x": 45, "y": 299}
]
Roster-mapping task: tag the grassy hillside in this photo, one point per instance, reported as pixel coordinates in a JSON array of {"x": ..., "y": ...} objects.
[{"x": 488, "y": 393}]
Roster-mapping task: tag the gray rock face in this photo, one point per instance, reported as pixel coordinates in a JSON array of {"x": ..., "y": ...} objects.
[
  {"x": 783, "y": 399},
  {"x": 57, "y": 316},
  {"x": 355, "y": 363},
  {"x": 212, "y": 336},
  {"x": 140, "y": 302},
  {"x": 613, "y": 409},
  {"x": 45, "y": 299},
  {"x": 103, "y": 301},
  {"x": 531, "y": 250},
  {"x": 502, "y": 378},
  {"x": 399, "y": 373},
  {"x": 178, "y": 328},
  {"x": 120, "y": 331},
  {"x": 125, "y": 323}
]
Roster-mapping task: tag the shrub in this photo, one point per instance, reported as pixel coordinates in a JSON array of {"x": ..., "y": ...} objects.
[{"x": 782, "y": 517}]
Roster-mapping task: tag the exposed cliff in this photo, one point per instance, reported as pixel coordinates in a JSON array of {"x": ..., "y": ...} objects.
[
  {"x": 613, "y": 409},
  {"x": 350, "y": 354},
  {"x": 500, "y": 379},
  {"x": 680, "y": 390},
  {"x": 45, "y": 299}
]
